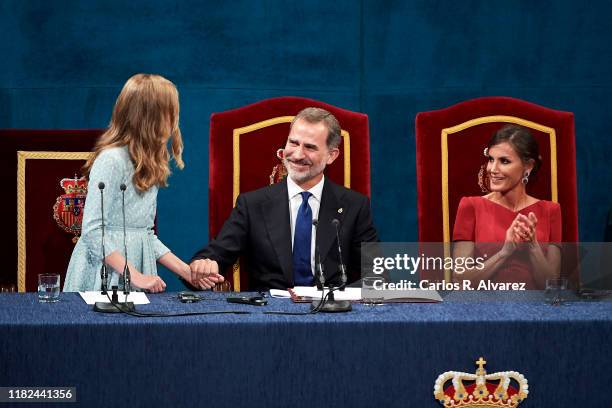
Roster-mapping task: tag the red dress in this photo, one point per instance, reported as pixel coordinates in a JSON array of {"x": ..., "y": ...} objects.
[{"x": 480, "y": 220}]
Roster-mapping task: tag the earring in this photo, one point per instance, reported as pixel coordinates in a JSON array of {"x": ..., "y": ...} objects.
[
  {"x": 525, "y": 178},
  {"x": 483, "y": 179}
]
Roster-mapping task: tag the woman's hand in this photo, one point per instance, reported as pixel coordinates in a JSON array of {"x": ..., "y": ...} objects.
[
  {"x": 205, "y": 273},
  {"x": 150, "y": 283},
  {"x": 525, "y": 228},
  {"x": 510, "y": 240},
  {"x": 207, "y": 278}
]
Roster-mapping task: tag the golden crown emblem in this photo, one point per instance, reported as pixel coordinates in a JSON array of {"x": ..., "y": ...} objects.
[
  {"x": 481, "y": 390},
  {"x": 68, "y": 207},
  {"x": 77, "y": 186}
]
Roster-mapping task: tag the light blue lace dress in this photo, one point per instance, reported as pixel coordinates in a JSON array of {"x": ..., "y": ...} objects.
[{"x": 113, "y": 167}]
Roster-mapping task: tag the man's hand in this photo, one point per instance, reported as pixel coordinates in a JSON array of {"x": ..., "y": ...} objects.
[{"x": 205, "y": 273}]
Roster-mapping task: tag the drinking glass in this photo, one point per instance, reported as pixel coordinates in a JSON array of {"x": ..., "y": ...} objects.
[
  {"x": 48, "y": 287},
  {"x": 371, "y": 287},
  {"x": 554, "y": 291}
]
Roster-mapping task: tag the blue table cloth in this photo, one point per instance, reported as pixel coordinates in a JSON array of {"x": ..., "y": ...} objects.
[{"x": 384, "y": 356}]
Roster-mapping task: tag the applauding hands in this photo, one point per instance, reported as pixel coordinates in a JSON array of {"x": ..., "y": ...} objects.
[{"x": 522, "y": 230}]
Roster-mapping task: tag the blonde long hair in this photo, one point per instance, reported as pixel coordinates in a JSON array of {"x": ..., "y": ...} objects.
[{"x": 146, "y": 110}]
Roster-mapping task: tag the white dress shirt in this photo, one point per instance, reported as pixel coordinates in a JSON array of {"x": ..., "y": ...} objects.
[{"x": 295, "y": 200}]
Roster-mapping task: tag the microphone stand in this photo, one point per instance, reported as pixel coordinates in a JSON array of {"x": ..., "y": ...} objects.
[
  {"x": 103, "y": 270},
  {"x": 319, "y": 272},
  {"x": 127, "y": 278},
  {"x": 329, "y": 304},
  {"x": 126, "y": 271},
  {"x": 101, "y": 306},
  {"x": 341, "y": 267},
  {"x": 114, "y": 306}
]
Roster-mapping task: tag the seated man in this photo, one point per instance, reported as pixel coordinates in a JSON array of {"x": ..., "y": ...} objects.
[{"x": 272, "y": 228}]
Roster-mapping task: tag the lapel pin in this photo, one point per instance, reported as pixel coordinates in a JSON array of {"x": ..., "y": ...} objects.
[{"x": 340, "y": 210}]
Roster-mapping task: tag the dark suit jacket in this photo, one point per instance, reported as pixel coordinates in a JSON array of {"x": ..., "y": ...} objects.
[{"x": 258, "y": 230}]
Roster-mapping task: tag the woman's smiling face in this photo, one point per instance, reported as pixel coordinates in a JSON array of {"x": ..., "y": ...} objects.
[{"x": 505, "y": 168}]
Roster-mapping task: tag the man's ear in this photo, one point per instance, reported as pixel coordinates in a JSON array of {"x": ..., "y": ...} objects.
[{"x": 333, "y": 155}]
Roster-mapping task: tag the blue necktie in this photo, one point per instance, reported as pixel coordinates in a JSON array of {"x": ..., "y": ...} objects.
[{"x": 302, "y": 273}]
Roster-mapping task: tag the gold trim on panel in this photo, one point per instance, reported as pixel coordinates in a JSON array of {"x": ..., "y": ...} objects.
[
  {"x": 346, "y": 144},
  {"x": 22, "y": 156},
  {"x": 346, "y": 140},
  {"x": 236, "y": 276},
  {"x": 478, "y": 121},
  {"x": 242, "y": 131}
]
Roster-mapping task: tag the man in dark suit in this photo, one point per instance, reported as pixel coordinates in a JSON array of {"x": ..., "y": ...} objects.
[{"x": 272, "y": 228}]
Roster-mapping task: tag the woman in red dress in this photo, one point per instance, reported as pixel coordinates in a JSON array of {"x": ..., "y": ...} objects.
[{"x": 508, "y": 215}]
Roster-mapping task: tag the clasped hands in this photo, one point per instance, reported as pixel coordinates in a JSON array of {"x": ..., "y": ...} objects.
[
  {"x": 522, "y": 230},
  {"x": 205, "y": 273}
]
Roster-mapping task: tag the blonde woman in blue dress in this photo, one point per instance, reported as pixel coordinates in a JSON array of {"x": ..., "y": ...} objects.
[{"x": 133, "y": 151}]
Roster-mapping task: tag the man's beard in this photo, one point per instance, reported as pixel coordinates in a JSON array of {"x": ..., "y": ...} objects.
[{"x": 303, "y": 176}]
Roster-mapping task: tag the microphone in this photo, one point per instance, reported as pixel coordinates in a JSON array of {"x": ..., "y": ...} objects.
[
  {"x": 103, "y": 306},
  {"x": 341, "y": 266},
  {"x": 126, "y": 271},
  {"x": 319, "y": 271},
  {"x": 114, "y": 306},
  {"x": 328, "y": 303},
  {"x": 103, "y": 271}
]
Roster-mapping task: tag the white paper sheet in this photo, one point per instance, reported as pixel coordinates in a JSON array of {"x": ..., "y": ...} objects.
[
  {"x": 388, "y": 296},
  {"x": 410, "y": 296},
  {"x": 139, "y": 298},
  {"x": 280, "y": 294},
  {"x": 312, "y": 292}
]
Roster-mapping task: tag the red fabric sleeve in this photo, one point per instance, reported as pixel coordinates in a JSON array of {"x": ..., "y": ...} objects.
[
  {"x": 556, "y": 225},
  {"x": 465, "y": 221}
]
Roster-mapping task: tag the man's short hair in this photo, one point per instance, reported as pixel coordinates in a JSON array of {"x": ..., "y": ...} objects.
[{"x": 316, "y": 115}]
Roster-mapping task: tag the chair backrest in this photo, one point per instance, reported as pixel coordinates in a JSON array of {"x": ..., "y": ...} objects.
[
  {"x": 243, "y": 146},
  {"x": 449, "y": 150},
  {"x": 45, "y": 215}
]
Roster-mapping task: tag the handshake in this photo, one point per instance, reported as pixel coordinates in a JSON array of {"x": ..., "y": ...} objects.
[
  {"x": 202, "y": 274},
  {"x": 205, "y": 273}
]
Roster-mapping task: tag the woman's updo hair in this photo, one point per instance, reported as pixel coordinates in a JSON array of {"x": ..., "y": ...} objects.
[{"x": 521, "y": 140}]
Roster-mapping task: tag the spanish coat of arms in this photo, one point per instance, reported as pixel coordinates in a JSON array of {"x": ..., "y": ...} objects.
[{"x": 68, "y": 208}]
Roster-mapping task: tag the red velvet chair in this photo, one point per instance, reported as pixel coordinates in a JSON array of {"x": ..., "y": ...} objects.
[
  {"x": 35, "y": 162},
  {"x": 449, "y": 152},
  {"x": 243, "y": 146}
]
